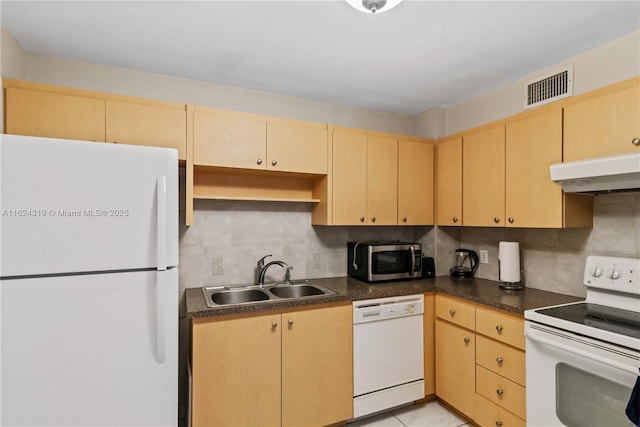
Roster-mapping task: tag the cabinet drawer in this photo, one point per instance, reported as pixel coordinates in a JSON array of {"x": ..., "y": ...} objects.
[
  {"x": 501, "y": 391},
  {"x": 503, "y": 327},
  {"x": 489, "y": 414},
  {"x": 456, "y": 311},
  {"x": 501, "y": 359}
]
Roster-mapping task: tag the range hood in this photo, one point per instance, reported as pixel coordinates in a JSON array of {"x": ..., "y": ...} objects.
[{"x": 600, "y": 175}]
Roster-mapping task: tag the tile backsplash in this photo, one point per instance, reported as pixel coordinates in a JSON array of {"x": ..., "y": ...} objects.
[{"x": 241, "y": 232}]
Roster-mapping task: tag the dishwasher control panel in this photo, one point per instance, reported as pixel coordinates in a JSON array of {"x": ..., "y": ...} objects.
[{"x": 387, "y": 308}]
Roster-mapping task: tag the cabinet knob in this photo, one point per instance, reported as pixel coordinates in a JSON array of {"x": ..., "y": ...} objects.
[
  {"x": 274, "y": 325},
  {"x": 466, "y": 340},
  {"x": 511, "y": 220},
  {"x": 259, "y": 161},
  {"x": 499, "y": 360},
  {"x": 373, "y": 219},
  {"x": 496, "y": 219},
  {"x": 452, "y": 312},
  {"x": 498, "y": 423},
  {"x": 499, "y": 329},
  {"x": 499, "y": 392},
  {"x": 635, "y": 141},
  {"x": 455, "y": 219},
  {"x": 361, "y": 219},
  {"x": 404, "y": 219},
  {"x": 274, "y": 162},
  {"x": 290, "y": 322}
]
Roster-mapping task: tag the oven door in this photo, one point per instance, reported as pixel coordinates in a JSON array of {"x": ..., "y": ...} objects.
[{"x": 577, "y": 381}]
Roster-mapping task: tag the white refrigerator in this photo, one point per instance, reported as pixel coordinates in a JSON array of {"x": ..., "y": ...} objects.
[{"x": 88, "y": 283}]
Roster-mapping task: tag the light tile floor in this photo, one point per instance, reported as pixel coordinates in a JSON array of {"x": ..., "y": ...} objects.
[{"x": 430, "y": 414}]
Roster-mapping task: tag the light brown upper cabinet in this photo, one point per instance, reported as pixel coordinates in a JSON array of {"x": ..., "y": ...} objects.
[
  {"x": 296, "y": 146},
  {"x": 483, "y": 174},
  {"x": 603, "y": 126},
  {"x": 229, "y": 139},
  {"x": 415, "y": 182},
  {"x": 152, "y": 123},
  {"x": 449, "y": 182},
  {"x": 365, "y": 178},
  {"x": 248, "y": 141},
  {"x": 532, "y": 145},
  {"x": 36, "y": 112}
]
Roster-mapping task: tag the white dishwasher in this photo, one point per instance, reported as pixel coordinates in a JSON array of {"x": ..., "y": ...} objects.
[{"x": 388, "y": 353}]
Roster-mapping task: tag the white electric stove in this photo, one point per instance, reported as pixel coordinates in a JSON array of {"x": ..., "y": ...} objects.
[{"x": 583, "y": 358}]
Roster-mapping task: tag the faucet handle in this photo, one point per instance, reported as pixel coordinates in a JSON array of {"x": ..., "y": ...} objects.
[
  {"x": 287, "y": 274},
  {"x": 261, "y": 260}
]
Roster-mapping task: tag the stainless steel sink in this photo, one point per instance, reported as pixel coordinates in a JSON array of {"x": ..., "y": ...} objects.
[
  {"x": 236, "y": 296},
  {"x": 298, "y": 289}
]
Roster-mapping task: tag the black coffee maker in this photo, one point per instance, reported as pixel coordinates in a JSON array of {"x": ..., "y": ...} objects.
[{"x": 465, "y": 264}]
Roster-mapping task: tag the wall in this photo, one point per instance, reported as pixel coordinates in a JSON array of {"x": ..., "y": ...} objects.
[
  {"x": 553, "y": 259},
  {"x": 610, "y": 63},
  {"x": 13, "y": 64}
]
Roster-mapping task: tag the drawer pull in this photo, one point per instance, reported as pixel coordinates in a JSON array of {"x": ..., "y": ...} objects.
[
  {"x": 361, "y": 219},
  {"x": 404, "y": 219},
  {"x": 259, "y": 161},
  {"x": 499, "y": 329},
  {"x": 290, "y": 323},
  {"x": 373, "y": 219},
  {"x": 498, "y": 423},
  {"x": 455, "y": 219},
  {"x": 496, "y": 220},
  {"x": 274, "y": 325},
  {"x": 274, "y": 162},
  {"x": 499, "y": 392},
  {"x": 466, "y": 340},
  {"x": 452, "y": 313},
  {"x": 499, "y": 360}
]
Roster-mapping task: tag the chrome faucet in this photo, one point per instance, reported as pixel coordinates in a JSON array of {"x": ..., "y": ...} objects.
[{"x": 261, "y": 269}]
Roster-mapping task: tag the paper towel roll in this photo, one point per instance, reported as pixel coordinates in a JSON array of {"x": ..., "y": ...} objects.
[{"x": 509, "y": 258}]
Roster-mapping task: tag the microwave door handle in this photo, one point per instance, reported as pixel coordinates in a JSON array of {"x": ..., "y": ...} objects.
[
  {"x": 536, "y": 337},
  {"x": 413, "y": 260}
]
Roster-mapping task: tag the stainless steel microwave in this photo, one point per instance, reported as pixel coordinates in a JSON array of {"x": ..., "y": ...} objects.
[{"x": 377, "y": 261}]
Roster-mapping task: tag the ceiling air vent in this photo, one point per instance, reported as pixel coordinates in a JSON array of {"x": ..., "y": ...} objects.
[{"x": 548, "y": 88}]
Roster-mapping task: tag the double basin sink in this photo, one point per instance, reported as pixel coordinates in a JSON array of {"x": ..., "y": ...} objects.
[{"x": 297, "y": 289}]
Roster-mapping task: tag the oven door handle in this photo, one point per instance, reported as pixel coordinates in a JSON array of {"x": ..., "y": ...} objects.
[{"x": 612, "y": 363}]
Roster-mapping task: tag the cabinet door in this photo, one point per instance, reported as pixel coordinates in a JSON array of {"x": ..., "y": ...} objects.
[
  {"x": 236, "y": 372},
  {"x": 483, "y": 178},
  {"x": 455, "y": 366},
  {"x": 532, "y": 145},
  {"x": 294, "y": 146},
  {"x": 147, "y": 124},
  {"x": 449, "y": 182},
  {"x": 382, "y": 180},
  {"x": 415, "y": 183},
  {"x": 317, "y": 373},
  {"x": 54, "y": 115},
  {"x": 602, "y": 126},
  {"x": 229, "y": 139},
  {"x": 349, "y": 177}
]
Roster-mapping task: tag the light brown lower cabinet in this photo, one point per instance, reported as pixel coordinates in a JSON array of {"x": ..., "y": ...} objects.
[
  {"x": 455, "y": 366},
  {"x": 281, "y": 369}
]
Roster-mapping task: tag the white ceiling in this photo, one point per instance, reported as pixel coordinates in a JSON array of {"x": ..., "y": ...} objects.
[{"x": 420, "y": 55}]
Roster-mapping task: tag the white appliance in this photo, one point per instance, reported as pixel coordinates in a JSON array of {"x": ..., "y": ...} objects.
[
  {"x": 603, "y": 174},
  {"x": 583, "y": 359},
  {"x": 388, "y": 353},
  {"x": 88, "y": 283}
]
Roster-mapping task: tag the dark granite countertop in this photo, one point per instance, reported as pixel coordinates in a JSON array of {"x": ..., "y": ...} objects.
[{"x": 480, "y": 291}]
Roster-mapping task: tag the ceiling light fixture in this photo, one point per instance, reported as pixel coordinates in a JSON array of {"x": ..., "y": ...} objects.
[{"x": 373, "y": 6}]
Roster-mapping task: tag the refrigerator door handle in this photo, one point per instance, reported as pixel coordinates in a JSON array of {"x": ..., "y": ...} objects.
[
  {"x": 161, "y": 320},
  {"x": 161, "y": 236}
]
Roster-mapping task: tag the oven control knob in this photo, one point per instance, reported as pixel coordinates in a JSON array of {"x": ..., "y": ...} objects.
[
  {"x": 596, "y": 271},
  {"x": 615, "y": 274}
]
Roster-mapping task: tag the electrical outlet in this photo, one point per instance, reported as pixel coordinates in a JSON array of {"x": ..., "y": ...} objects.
[
  {"x": 316, "y": 260},
  {"x": 484, "y": 257},
  {"x": 216, "y": 269}
]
